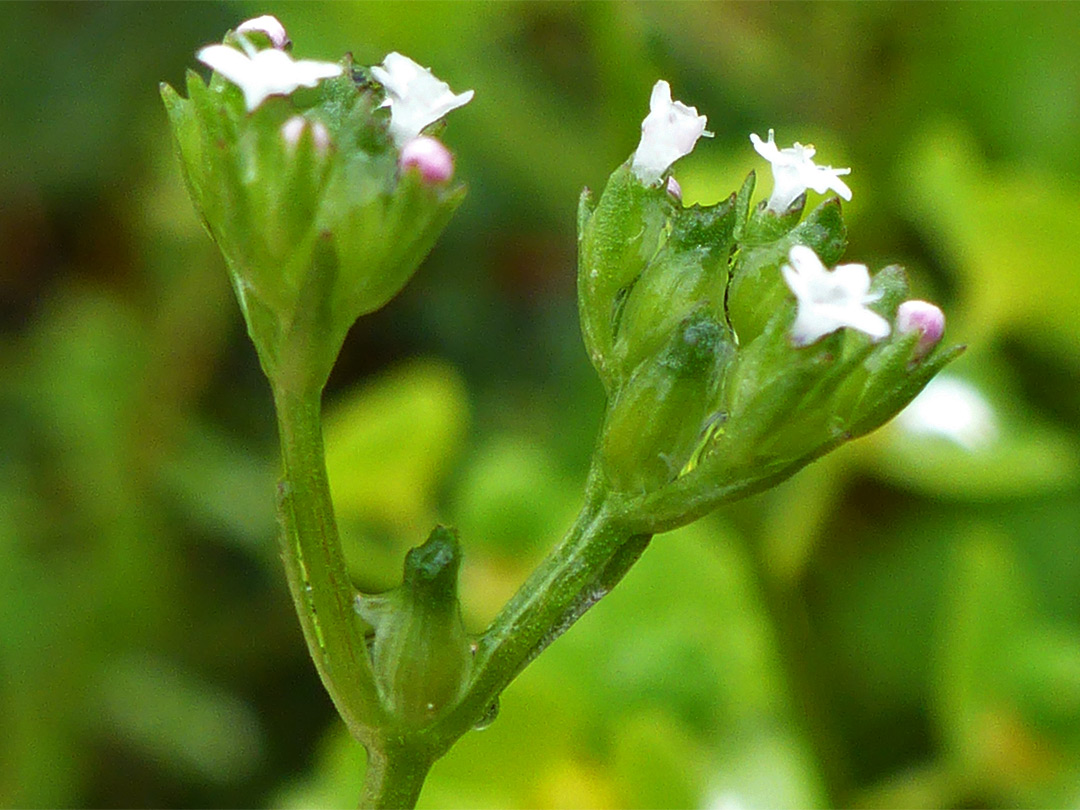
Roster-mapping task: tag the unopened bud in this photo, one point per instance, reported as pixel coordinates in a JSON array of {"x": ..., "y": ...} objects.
[
  {"x": 922, "y": 317},
  {"x": 421, "y": 653},
  {"x": 292, "y": 129},
  {"x": 674, "y": 189},
  {"x": 429, "y": 157},
  {"x": 270, "y": 26}
]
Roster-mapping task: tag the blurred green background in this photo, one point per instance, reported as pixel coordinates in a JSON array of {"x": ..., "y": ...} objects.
[{"x": 897, "y": 626}]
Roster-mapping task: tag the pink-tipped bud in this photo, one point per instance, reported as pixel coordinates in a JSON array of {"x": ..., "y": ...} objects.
[
  {"x": 292, "y": 129},
  {"x": 270, "y": 26},
  {"x": 922, "y": 317},
  {"x": 429, "y": 157},
  {"x": 674, "y": 189}
]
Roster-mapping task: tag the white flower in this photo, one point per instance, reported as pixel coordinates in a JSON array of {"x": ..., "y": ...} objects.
[
  {"x": 794, "y": 172},
  {"x": 830, "y": 300},
  {"x": 269, "y": 25},
  {"x": 260, "y": 74},
  {"x": 953, "y": 409},
  {"x": 415, "y": 97},
  {"x": 668, "y": 133}
]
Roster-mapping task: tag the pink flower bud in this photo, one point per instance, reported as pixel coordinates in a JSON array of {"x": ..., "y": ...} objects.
[
  {"x": 292, "y": 129},
  {"x": 268, "y": 25},
  {"x": 674, "y": 189},
  {"x": 923, "y": 317},
  {"x": 429, "y": 157}
]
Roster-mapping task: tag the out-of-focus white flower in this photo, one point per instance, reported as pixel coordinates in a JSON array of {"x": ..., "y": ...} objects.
[
  {"x": 266, "y": 73},
  {"x": 292, "y": 129},
  {"x": 415, "y": 97},
  {"x": 922, "y": 317},
  {"x": 830, "y": 299},
  {"x": 269, "y": 25},
  {"x": 953, "y": 409},
  {"x": 794, "y": 172},
  {"x": 668, "y": 133},
  {"x": 429, "y": 157}
]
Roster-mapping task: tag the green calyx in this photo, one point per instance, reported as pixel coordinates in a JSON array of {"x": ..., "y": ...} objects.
[
  {"x": 317, "y": 228},
  {"x": 687, "y": 319},
  {"x": 421, "y": 653}
]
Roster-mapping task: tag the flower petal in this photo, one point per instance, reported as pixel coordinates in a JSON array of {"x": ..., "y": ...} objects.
[{"x": 669, "y": 132}]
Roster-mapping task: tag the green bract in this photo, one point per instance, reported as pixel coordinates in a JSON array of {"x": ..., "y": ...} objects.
[
  {"x": 687, "y": 319},
  {"x": 314, "y": 234},
  {"x": 421, "y": 653}
]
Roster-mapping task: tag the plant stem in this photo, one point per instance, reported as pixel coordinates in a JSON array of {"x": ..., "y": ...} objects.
[
  {"x": 315, "y": 566},
  {"x": 593, "y": 556},
  {"x": 394, "y": 777}
]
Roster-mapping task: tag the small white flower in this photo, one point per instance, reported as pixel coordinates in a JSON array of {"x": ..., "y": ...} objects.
[
  {"x": 830, "y": 300},
  {"x": 953, "y": 409},
  {"x": 270, "y": 72},
  {"x": 415, "y": 97},
  {"x": 794, "y": 172},
  {"x": 269, "y": 25},
  {"x": 668, "y": 133}
]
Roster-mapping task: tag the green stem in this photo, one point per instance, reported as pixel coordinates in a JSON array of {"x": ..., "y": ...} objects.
[
  {"x": 593, "y": 556},
  {"x": 315, "y": 566},
  {"x": 394, "y": 778}
]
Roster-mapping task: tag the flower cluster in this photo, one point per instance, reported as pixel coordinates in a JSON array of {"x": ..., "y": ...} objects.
[
  {"x": 731, "y": 354},
  {"x": 322, "y": 204}
]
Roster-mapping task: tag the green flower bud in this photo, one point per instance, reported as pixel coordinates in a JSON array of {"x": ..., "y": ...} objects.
[
  {"x": 303, "y": 195},
  {"x": 617, "y": 237},
  {"x": 688, "y": 274},
  {"x": 421, "y": 654},
  {"x": 656, "y": 419}
]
